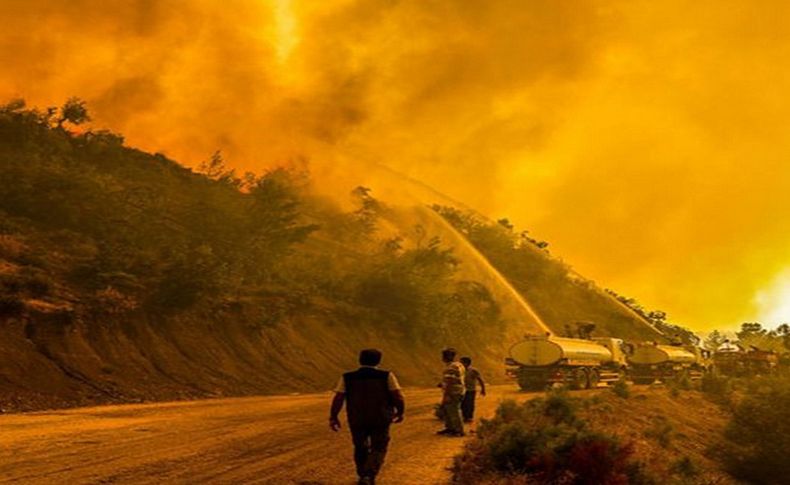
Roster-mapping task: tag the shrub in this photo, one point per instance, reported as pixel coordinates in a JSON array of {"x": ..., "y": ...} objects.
[
  {"x": 37, "y": 284},
  {"x": 683, "y": 382},
  {"x": 11, "y": 306},
  {"x": 33, "y": 283},
  {"x": 543, "y": 441},
  {"x": 685, "y": 467},
  {"x": 111, "y": 301},
  {"x": 621, "y": 389},
  {"x": 717, "y": 387},
  {"x": 559, "y": 406},
  {"x": 599, "y": 459},
  {"x": 759, "y": 433},
  {"x": 661, "y": 431}
]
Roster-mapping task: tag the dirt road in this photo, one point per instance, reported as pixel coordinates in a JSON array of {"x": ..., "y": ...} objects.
[{"x": 271, "y": 440}]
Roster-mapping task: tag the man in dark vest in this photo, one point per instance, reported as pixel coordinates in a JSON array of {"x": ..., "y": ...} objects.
[{"x": 373, "y": 400}]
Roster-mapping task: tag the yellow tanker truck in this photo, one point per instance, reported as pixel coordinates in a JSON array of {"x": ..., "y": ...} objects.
[
  {"x": 543, "y": 360},
  {"x": 652, "y": 362}
]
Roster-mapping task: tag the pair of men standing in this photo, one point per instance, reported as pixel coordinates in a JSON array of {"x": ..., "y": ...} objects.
[{"x": 459, "y": 391}]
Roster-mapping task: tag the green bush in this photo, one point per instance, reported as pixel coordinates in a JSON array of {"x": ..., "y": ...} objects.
[
  {"x": 685, "y": 467},
  {"x": 662, "y": 431},
  {"x": 682, "y": 382},
  {"x": 621, "y": 389},
  {"x": 717, "y": 387},
  {"x": 560, "y": 407},
  {"x": 543, "y": 441},
  {"x": 30, "y": 282},
  {"x": 11, "y": 306},
  {"x": 758, "y": 435}
]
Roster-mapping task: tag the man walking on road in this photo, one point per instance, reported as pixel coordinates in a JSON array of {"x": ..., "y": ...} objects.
[
  {"x": 373, "y": 400},
  {"x": 472, "y": 378},
  {"x": 453, "y": 389}
]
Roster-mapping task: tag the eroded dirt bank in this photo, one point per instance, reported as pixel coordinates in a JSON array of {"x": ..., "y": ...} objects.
[{"x": 49, "y": 360}]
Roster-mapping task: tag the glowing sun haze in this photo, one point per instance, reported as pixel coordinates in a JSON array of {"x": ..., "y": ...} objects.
[{"x": 647, "y": 141}]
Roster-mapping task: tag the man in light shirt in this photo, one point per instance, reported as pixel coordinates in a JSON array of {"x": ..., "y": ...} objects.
[
  {"x": 373, "y": 401},
  {"x": 453, "y": 390},
  {"x": 472, "y": 379}
]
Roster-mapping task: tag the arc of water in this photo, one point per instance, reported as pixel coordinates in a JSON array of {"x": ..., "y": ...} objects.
[{"x": 500, "y": 280}]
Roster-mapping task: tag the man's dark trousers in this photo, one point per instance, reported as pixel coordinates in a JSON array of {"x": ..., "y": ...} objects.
[
  {"x": 370, "y": 448},
  {"x": 468, "y": 405}
]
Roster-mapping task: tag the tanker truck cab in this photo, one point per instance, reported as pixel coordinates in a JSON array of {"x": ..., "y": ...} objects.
[
  {"x": 541, "y": 361},
  {"x": 617, "y": 347}
]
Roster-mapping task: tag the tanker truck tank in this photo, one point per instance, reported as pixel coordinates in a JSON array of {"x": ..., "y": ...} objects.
[
  {"x": 660, "y": 354},
  {"x": 540, "y": 361},
  {"x": 653, "y": 362},
  {"x": 543, "y": 351}
]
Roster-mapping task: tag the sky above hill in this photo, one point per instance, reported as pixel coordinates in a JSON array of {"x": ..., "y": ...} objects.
[{"x": 646, "y": 141}]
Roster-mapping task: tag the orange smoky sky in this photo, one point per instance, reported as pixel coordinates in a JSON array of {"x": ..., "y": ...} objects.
[{"x": 647, "y": 141}]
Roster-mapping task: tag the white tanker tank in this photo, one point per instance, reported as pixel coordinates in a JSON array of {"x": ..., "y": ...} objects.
[
  {"x": 543, "y": 360},
  {"x": 654, "y": 362}
]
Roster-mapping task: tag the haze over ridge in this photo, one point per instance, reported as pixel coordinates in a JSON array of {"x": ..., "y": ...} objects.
[{"x": 644, "y": 140}]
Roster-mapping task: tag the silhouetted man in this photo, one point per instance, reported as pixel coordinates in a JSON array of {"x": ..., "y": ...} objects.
[
  {"x": 471, "y": 380},
  {"x": 373, "y": 400}
]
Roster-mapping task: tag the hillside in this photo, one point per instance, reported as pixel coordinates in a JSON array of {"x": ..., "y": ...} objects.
[{"x": 127, "y": 277}]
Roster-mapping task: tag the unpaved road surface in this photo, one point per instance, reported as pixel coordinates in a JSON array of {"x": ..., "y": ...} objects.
[{"x": 283, "y": 439}]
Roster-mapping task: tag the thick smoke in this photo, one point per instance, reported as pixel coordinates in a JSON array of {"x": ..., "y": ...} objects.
[{"x": 645, "y": 140}]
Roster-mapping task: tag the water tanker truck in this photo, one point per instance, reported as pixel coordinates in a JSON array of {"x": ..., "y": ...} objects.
[
  {"x": 732, "y": 360},
  {"x": 653, "y": 362},
  {"x": 540, "y": 361}
]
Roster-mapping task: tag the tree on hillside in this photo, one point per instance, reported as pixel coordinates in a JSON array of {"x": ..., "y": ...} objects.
[
  {"x": 783, "y": 332},
  {"x": 405, "y": 286},
  {"x": 369, "y": 209},
  {"x": 750, "y": 330},
  {"x": 13, "y": 106},
  {"x": 753, "y": 334},
  {"x": 73, "y": 111},
  {"x": 714, "y": 340},
  {"x": 275, "y": 214},
  {"x": 216, "y": 169}
]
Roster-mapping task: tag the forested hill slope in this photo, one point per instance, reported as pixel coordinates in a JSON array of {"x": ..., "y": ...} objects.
[{"x": 125, "y": 276}]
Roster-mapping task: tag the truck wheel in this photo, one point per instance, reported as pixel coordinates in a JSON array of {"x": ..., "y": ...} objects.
[{"x": 580, "y": 379}]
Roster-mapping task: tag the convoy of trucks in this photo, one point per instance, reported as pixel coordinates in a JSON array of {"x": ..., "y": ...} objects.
[{"x": 540, "y": 361}]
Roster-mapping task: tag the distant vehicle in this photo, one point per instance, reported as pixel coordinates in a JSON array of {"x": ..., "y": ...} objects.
[
  {"x": 544, "y": 360},
  {"x": 735, "y": 361},
  {"x": 651, "y": 362}
]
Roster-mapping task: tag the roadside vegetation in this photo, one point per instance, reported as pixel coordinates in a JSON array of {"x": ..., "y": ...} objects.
[
  {"x": 758, "y": 435},
  {"x": 649, "y": 438}
]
